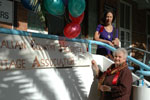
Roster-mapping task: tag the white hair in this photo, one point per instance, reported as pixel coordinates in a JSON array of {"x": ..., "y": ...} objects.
[{"x": 123, "y": 50}]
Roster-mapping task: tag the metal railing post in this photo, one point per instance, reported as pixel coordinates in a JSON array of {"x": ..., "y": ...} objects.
[{"x": 90, "y": 47}]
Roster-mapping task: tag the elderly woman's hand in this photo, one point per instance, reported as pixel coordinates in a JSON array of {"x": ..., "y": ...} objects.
[
  {"x": 95, "y": 67},
  {"x": 93, "y": 62},
  {"x": 104, "y": 88}
]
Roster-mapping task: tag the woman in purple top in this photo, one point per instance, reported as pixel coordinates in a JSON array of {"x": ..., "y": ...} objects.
[{"x": 106, "y": 33}]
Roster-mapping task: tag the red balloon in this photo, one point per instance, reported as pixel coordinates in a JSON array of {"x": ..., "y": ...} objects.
[
  {"x": 72, "y": 30},
  {"x": 78, "y": 19}
]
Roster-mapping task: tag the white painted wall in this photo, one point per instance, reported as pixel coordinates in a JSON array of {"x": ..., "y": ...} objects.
[{"x": 76, "y": 83}]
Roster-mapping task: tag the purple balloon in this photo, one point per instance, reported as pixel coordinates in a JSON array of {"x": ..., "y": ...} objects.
[{"x": 65, "y": 2}]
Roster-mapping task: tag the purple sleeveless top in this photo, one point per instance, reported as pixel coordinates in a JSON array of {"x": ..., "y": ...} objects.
[{"x": 106, "y": 36}]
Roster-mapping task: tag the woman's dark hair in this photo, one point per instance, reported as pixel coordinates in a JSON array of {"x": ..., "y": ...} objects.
[{"x": 105, "y": 14}]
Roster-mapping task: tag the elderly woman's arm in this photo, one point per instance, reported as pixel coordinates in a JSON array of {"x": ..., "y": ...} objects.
[{"x": 95, "y": 67}]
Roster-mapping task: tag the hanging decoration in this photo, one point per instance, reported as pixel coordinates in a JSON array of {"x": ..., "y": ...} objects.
[
  {"x": 35, "y": 6},
  {"x": 57, "y": 7},
  {"x": 54, "y": 7},
  {"x": 26, "y": 4},
  {"x": 76, "y": 14},
  {"x": 76, "y": 7},
  {"x": 77, "y": 20},
  {"x": 72, "y": 30}
]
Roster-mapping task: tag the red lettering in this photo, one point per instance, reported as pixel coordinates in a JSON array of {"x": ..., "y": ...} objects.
[{"x": 36, "y": 63}]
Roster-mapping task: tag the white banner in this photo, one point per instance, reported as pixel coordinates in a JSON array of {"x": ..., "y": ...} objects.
[
  {"x": 6, "y": 11},
  {"x": 24, "y": 52}
]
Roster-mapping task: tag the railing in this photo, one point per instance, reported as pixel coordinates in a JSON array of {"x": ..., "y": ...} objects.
[
  {"x": 146, "y": 54},
  {"x": 145, "y": 60},
  {"x": 145, "y": 69}
]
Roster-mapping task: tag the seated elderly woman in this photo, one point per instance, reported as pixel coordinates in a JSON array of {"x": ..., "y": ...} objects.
[{"x": 116, "y": 82}]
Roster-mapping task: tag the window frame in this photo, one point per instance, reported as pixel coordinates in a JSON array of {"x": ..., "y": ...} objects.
[
  {"x": 127, "y": 39},
  {"x": 148, "y": 34}
]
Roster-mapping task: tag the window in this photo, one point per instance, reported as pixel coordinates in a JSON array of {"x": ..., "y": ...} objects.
[
  {"x": 34, "y": 23},
  {"x": 125, "y": 24}
]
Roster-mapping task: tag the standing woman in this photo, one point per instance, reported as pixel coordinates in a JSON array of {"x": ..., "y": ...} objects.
[
  {"x": 116, "y": 82},
  {"x": 106, "y": 33}
]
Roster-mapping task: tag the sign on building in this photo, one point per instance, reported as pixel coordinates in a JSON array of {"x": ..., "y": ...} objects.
[
  {"x": 27, "y": 52},
  {"x": 6, "y": 11}
]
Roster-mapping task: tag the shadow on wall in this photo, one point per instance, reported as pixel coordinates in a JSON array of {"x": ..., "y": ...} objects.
[{"x": 41, "y": 84}]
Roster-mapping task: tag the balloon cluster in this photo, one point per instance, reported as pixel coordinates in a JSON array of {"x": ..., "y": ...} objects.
[
  {"x": 73, "y": 29},
  {"x": 76, "y": 14},
  {"x": 57, "y": 7}
]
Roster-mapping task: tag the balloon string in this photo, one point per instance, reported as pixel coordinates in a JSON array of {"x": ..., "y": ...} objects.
[
  {"x": 66, "y": 14},
  {"x": 62, "y": 42}
]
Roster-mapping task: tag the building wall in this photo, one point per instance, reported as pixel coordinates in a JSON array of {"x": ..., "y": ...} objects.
[
  {"x": 93, "y": 16},
  {"x": 138, "y": 26},
  {"x": 5, "y": 25},
  {"x": 139, "y": 35},
  {"x": 20, "y": 19}
]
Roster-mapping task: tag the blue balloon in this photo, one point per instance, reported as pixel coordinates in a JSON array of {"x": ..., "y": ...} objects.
[
  {"x": 76, "y": 7},
  {"x": 26, "y": 4},
  {"x": 54, "y": 7}
]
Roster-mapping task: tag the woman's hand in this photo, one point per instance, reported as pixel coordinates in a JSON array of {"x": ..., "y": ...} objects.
[
  {"x": 116, "y": 42},
  {"x": 104, "y": 88},
  {"x": 110, "y": 43}
]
